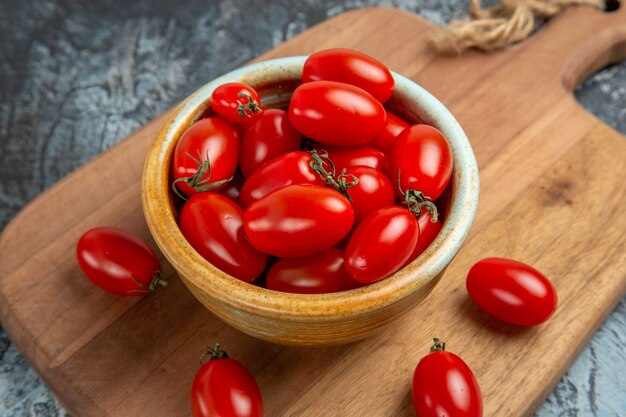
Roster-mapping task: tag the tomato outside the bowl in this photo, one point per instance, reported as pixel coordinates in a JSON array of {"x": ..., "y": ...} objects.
[{"x": 512, "y": 291}]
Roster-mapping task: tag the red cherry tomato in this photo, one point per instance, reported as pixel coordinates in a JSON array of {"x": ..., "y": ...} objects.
[
  {"x": 349, "y": 157},
  {"x": 336, "y": 114},
  {"x": 118, "y": 261},
  {"x": 212, "y": 136},
  {"x": 381, "y": 244},
  {"x": 512, "y": 291},
  {"x": 350, "y": 67},
  {"x": 223, "y": 387},
  {"x": 373, "y": 191},
  {"x": 385, "y": 139},
  {"x": 443, "y": 385},
  {"x": 269, "y": 136},
  {"x": 315, "y": 274},
  {"x": 288, "y": 169},
  {"x": 428, "y": 232},
  {"x": 423, "y": 158},
  {"x": 298, "y": 220},
  {"x": 213, "y": 225},
  {"x": 236, "y": 102}
]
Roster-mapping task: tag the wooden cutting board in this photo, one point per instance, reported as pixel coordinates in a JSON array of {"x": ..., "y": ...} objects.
[{"x": 553, "y": 191}]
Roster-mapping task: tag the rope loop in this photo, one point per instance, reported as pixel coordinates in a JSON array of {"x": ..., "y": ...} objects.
[{"x": 501, "y": 25}]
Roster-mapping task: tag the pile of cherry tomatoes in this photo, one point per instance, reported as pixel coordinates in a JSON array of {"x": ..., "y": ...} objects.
[{"x": 333, "y": 193}]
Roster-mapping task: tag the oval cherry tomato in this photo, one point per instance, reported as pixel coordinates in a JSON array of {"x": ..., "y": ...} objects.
[
  {"x": 223, "y": 387},
  {"x": 349, "y": 157},
  {"x": 118, "y": 261},
  {"x": 381, "y": 244},
  {"x": 236, "y": 102},
  {"x": 443, "y": 385},
  {"x": 213, "y": 137},
  {"x": 298, "y": 220},
  {"x": 336, "y": 114},
  {"x": 428, "y": 232},
  {"x": 213, "y": 225},
  {"x": 350, "y": 67},
  {"x": 423, "y": 158},
  {"x": 511, "y": 291},
  {"x": 269, "y": 136},
  {"x": 384, "y": 140},
  {"x": 288, "y": 169},
  {"x": 372, "y": 191},
  {"x": 316, "y": 274}
]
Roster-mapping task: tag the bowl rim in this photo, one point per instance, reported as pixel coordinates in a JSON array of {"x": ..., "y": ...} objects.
[{"x": 158, "y": 209}]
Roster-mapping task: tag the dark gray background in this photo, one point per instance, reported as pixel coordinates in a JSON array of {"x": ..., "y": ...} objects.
[{"x": 77, "y": 77}]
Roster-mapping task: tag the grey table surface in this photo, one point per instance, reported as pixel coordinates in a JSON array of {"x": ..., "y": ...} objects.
[{"x": 77, "y": 77}]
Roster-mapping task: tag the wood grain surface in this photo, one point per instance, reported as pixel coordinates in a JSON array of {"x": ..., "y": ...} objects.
[{"x": 552, "y": 176}]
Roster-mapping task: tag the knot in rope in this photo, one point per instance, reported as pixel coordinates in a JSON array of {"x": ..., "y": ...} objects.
[{"x": 501, "y": 25}]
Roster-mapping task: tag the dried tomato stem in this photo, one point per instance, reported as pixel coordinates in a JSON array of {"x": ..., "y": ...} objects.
[
  {"x": 247, "y": 109},
  {"x": 215, "y": 352},
  {"x": 196, "y": 181},
  {"x": 415, "y": 201},
  {"x": 339, "y": 183},
  {"x": 157, "y": 280},
  {"x": 438, "y": 346}
]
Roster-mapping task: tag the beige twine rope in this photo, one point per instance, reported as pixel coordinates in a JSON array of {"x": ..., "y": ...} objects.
[{"x": 499, "y": 26}]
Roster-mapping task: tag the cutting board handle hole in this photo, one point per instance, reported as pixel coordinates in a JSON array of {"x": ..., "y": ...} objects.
[{"x": 611, "y": 5}]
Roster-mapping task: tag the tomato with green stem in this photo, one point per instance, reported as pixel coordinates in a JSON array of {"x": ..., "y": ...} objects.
[
  {"x": 288, "y": 169},
  {"x": 368, "y": 189},
  {"x": 118, "y": 261},
  {"x": 224, "y": 387},
  {"x": 371, "y": 191},
  {"x": 350, "y": 157},
  {"x": 420, "y": 159},
  {"x": 205, "y": 157},
  {"x": 236, "y": 102},
  {"x": 444, "y": 385}
]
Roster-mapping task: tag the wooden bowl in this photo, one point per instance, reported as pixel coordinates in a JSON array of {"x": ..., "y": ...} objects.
[{"x": 299, "y": 319}]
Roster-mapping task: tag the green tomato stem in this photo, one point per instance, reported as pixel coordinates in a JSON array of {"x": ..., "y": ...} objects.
[
  {"x": 247, "y": 109},
  {"x": 415, "y": 201},
  {"x": 338, "y": 182},
  {"x": 438, "y": 346},
  {"x": 196, "y": 181},
  {"x": 215, "y": 352},
  {"x": 157, "y": 280}
]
